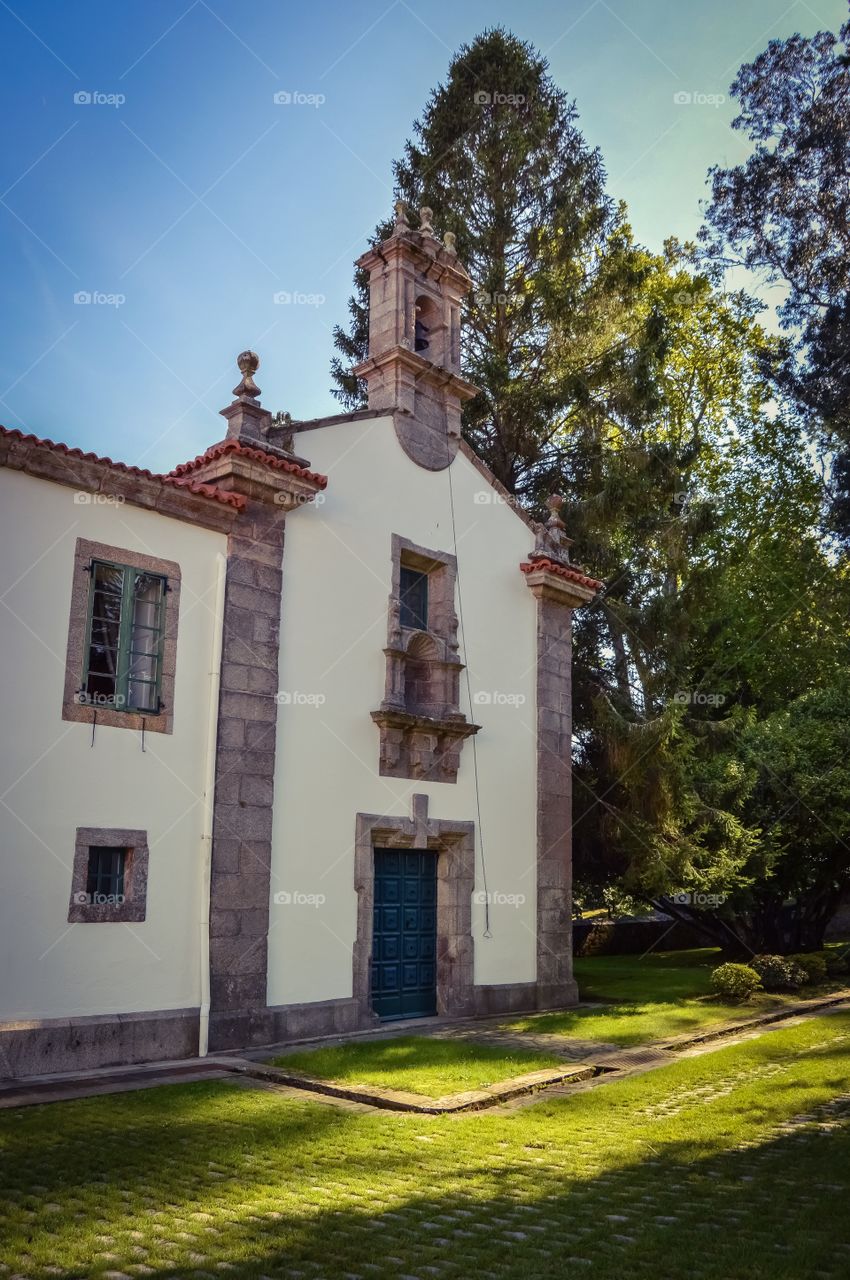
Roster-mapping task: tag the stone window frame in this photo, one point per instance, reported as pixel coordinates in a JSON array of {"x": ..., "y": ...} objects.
[
  {"x": 84, "y": 713},
  {"x": 453, "y": 844},
  {"x": 441, "y": 568},
  {"x": 134, "y": 907},
  {"x": 422, "y": 742}
]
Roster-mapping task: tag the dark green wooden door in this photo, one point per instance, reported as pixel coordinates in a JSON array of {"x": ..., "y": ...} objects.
[{"x": 404, "y": 948}]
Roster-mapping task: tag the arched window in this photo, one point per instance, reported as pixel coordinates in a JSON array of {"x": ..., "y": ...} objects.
[{"x": 424, "y": 324}]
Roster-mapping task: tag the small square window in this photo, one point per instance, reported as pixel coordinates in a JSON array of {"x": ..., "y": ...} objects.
[
  {"x": 105, "y": 876},
  {"x": 123, "y": 668},
  {"x": 109, "y": 883},
  {"x": 413, "y": 593}
]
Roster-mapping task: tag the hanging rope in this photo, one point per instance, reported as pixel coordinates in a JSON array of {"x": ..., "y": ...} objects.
[{"x": 487, "y": 930}]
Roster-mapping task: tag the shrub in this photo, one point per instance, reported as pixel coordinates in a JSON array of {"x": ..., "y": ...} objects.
[
  {"x": 813, "y": 964},
  {"x": 836, "y": 961},
  {"x": 778, "y": 973},
  {"x": 735, "y": 981}
]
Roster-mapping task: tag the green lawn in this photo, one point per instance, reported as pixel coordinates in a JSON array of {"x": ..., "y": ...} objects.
[
  {"x": 731, "y": 1165},
  {"x": 418, "y": 1064},
  {"x": 652, "y": 997}
]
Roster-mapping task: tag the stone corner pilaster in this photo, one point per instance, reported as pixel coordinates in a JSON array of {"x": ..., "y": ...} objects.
[{"x": 557, "y": 591}]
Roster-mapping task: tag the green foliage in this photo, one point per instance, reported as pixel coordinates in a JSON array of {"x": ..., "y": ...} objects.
[
  {"x": 708, "y": 677},
  {"x": 735, "y": 981},
  {"x": 779, "y": 973},
  {"x": 813, "y": 965},
  {"x": 553, "y": 264},
  {"x": 785, "y": 212}
]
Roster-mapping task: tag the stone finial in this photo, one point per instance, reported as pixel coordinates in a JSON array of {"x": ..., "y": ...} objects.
[
  {"x": 552, "y": 541},
  {"x": 249, "y": 363},
  {"x": 426, "y": 224},
  {"x": 401, "y": 222},
  {"x": 450, "y": 243},
  {"x": 555, "y": 503}
]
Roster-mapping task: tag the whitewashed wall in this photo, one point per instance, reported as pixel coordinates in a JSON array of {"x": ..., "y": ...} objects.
[
  {"x": 54, "y": 781},
  {"x": 336, "y": 583}
]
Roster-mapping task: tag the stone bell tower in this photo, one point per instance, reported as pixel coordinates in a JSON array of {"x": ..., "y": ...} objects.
[{"x": 416, "y": 286}]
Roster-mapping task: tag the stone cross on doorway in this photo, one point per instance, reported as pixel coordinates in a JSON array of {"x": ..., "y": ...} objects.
[{"x": 419, "y": 817}]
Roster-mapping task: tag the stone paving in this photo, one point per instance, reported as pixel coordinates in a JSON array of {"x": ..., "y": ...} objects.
[{"x": 608, "y": 1219}]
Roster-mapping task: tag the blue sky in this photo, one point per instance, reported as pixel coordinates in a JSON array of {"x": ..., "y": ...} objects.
[{"x": 185, "y": 198}]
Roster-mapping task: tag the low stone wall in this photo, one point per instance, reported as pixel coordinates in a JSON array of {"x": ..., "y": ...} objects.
[
  {"x": 43, "y": 1046},
  {"x": 631, "y": 937}
]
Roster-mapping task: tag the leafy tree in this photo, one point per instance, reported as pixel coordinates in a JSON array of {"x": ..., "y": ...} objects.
[
  {"x": 786, "y": 213},
  {"x": 498, "y": 156},
  {"x": 720, "y": 607},
  {"x": 801, "y": 805}
]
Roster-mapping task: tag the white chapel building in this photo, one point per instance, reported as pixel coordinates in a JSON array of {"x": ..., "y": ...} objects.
[{"x": 286, "y": 731}]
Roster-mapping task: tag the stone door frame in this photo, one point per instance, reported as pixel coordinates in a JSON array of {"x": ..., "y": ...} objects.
[{"x": 453, "y": 844}]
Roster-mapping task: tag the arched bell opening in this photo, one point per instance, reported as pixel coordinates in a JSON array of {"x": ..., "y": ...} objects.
[{"x": 425, "y": 327}]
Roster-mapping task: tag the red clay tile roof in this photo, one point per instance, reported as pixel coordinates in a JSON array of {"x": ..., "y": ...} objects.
[
  {"x": 246, "y": 451},
  {"x": 236, "y": 500},
  {"x": 561, "y": 571}
]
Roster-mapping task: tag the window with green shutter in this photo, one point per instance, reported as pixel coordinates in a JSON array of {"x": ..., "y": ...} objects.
[{"x": 124, "y": 640}]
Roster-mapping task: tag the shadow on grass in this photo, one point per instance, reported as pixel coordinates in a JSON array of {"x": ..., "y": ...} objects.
[{"x": 563, "y": 1189}]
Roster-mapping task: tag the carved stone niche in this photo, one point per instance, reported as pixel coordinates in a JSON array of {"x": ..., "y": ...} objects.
[{"x": 421, "y": 725}]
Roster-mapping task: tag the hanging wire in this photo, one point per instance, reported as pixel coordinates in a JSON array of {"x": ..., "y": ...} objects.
[
  {"x": 93, "y": 726},
  {"x": 487, "y": 931},
  {"x": 144, "y": 722}
]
